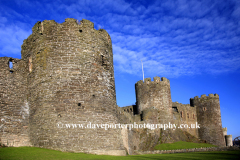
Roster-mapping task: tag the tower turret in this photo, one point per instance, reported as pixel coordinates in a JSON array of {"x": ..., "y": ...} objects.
[
  {"x": 154, "y": 95},
  {"x": 71, "y": 81},
  {"x": 209, "y": 118}
]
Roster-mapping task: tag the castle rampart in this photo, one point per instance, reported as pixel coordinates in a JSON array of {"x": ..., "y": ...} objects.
[
  {"x": 70, "y": 80},
  {"x": 209, "y": 118},
  {"x": 66, "y": 76},
  {"x": 185, "y": 114},
  {"x": 14, "y": 124},
  {"x": 154, "y": 94}
]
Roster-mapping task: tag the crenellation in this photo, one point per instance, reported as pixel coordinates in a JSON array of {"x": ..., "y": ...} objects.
[
  {"x": 181, "y": 104},
  {"x": 165, "y": 80},
  {"x": 205, "y": 97},
  {"x": 139, "y": 82},
  {"x": 156, "y": 80},
  {"x": 59, "y": 77},
  {"x": 66, "y": 76},
  {"x": 209, "y": 116},
  {"x": 87, "y": 23},
  {"x": 210, "y": 95},
  {"x": 196, "y": 97},
  {"x": 155, "y": 94},
  {"x": 216, "y": 95},
  {"x": 147, "y": 80}
]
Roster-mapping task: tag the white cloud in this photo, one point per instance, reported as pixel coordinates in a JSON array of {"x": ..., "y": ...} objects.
[
  {"x": 173, "y": 38},
  {"x": 12, "y": 37}
]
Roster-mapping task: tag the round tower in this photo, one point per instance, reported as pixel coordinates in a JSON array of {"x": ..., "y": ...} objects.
[
  {"x": 209, "y": 119},
  {"x": 156, "y": 96},
  {"x": 71, "y": 81},
  {"x": 224, "y": 134},
  {"x": 229, "y": 141},
  {"x": 224, "y": 131}
]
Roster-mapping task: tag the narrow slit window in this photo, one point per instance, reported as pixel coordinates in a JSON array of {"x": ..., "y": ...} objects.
[
  {"x": 10, "y": 64},
  {"x": 102, "y": 60}
]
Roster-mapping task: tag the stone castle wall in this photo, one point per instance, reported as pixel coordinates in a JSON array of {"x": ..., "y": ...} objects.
[
  {"x": 185, "y": 114},
  {"x": 71, "y": 82},
  {"x": 154, "y": 99},
  {"x": 66, "y": 76},
  {"x": 14, "y": 113},
  {"x": 69, "y": 79},
  {"x": 209, "y": 118}
]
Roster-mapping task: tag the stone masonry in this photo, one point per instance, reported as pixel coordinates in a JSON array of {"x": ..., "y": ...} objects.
[{"x": 66, "y": 76}]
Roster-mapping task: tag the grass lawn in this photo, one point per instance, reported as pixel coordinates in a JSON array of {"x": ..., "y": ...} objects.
[
  {"x": 181, "y": 145},
  {"x": 34, "y": 153}
]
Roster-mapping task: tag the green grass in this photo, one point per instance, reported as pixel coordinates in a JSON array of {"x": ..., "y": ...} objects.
[
  {"x": 33, "y": 153},
  {"x": 181, "y": 145}
]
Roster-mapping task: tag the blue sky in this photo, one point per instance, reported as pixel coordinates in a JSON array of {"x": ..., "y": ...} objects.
[{"x": 195, "y": 44}]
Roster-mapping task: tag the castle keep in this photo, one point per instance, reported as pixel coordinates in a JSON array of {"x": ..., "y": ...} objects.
[{"x": 66, "y": 76}]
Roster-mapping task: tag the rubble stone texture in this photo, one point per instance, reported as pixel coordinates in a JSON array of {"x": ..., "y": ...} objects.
[{"x": 66, "y": 76}]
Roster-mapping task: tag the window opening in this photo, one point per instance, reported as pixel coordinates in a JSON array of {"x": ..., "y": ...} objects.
[
  {"x": 30, "y": 64},
  {"x": 102, "y": 60},
  {"x": 10, "y": 64}
]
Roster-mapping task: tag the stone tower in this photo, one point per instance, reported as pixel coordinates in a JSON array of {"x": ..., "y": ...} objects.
[
  {"x": 209, "y": 118},
  {"x": 71, "y": 81},
  {"x": 154, "y": 99},
  {"x": 61, "y": 94}
]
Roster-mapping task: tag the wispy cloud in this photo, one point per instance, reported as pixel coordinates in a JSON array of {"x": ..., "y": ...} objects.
[
  {"x": 173, "y": 38},
  {"x": 12, "y": 36},
  {"x": 186, "y": 39}
]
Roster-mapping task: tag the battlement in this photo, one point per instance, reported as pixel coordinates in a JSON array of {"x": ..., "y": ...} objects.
[
  {"x": 225, "y": 129},
  {"x": 39, "y": 26},
  {"x": 180, "y": 104},
  {"x": 87, "y": 23},
  {"x": 204, "y": 96},
  {"x": 156, "y": 80},
  {"x": 46, "y": 25},
  {"x": 50, "y": 34},
  {"x": 67, "y": 70}
]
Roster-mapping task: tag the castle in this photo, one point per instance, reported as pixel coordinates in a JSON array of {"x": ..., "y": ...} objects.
[{"x": 66, "y": 76}]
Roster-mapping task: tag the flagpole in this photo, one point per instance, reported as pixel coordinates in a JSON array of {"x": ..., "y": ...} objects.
[{"x": 142, "y": 71}]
